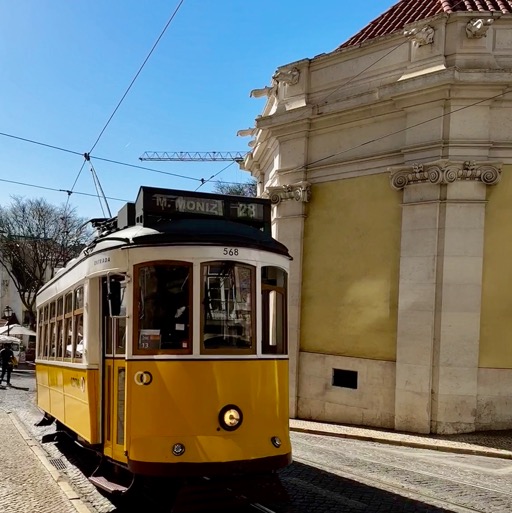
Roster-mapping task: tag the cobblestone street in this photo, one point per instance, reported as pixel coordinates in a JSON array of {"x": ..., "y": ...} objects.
[{"x": 329, "y": 474}]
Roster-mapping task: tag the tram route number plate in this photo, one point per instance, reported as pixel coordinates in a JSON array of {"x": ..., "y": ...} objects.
[{"x": 230, "y": 252}]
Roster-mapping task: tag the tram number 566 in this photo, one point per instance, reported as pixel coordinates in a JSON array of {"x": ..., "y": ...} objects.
[{"x": 230, "y": 252}]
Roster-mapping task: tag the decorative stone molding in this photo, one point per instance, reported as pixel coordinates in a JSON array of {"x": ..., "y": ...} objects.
[
  {"x": 287, "y": 76},
  {"x": 478, "y": 27},
  {"x": 248, "y": 132},
  {"x": 300, "y": 191},
  {"x": 420, "y": 36},
  {"x": 445, "y": 172},
  {"x": 264, "y": 91}
]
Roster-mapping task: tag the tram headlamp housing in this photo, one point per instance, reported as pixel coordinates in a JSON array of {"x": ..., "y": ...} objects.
[
  {"x": 230, "y": 417},
  {"x": 178, "y": 449}
]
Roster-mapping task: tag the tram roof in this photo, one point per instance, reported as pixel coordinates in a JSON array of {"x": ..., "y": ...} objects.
[
  {"x": 211, "y": 232},
  {"x": 176, "y": 217}
]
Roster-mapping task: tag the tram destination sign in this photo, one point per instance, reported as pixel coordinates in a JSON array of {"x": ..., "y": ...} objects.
[
  {"x": 189, "y": 205},
  {"x": 171, "y": 203}
]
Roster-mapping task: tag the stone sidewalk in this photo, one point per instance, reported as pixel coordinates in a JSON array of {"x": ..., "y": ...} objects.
[
  {"x": 29, "y": 482},
  {"x": 496, "y": 444}
]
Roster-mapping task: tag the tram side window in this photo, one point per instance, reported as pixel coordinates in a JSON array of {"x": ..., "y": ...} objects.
[
  {"x": 227, "y": 318},
  {"x": 273, "y": 304},
  {"x": 42, "y": 331},
  {"x": 78, "y": 325},
  {"x": 68, "y": 325},
  {"x": 163, "y": 297},
  {"x": 59, "y": 328},
  {"x": 52, "y": 334},
  {"x": 46, "y": 335}
]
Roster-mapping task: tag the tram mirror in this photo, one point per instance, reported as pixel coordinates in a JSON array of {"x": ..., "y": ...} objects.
[{"x": 114, "y": 297}]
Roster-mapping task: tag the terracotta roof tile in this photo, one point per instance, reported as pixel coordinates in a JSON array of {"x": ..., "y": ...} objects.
[{"x": 409, "y": 11}]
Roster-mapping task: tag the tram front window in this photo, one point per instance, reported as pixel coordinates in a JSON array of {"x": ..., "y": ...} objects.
[
  {"x": 227, "y": 308},
  {"x": 164, "y": 313}
]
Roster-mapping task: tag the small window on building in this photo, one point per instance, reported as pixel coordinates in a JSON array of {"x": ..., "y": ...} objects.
[{"x": 344, "y": 378}]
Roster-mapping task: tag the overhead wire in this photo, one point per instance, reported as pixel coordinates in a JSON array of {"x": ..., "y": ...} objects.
[
  {"x": 147, "y": 169},
  {"x": 137, "y": 74},
  {"x": 509, "y": 90},
  {"x": 112, "y": 161},
  {"x": 40, "y": 143},
  {"x": 203, "y": 181},
  {"x": 87, "y": 155},
  {"x": 59, "y": 190}
]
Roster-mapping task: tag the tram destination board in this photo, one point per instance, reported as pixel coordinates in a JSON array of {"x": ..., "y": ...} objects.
[{"x": 170, "y": 203}]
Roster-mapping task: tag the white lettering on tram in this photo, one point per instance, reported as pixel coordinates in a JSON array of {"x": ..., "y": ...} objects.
[
  {"x": 199, "y": 205},
  {"x": 161, "y": 200},
  {"x": 188, "y": 204}
]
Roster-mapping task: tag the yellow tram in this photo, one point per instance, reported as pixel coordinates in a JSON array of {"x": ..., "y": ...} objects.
[{"x": 163, "y": 346}]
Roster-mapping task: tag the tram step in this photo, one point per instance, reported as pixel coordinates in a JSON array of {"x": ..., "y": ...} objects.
[{"x": 108, "y": 486}]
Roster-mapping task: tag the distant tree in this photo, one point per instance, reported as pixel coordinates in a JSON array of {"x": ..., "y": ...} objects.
[
  {"x": 237, "y": 189},
  {"x": 35, "y": 239}
]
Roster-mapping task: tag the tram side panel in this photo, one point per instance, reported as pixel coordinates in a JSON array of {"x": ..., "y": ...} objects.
[
  {"x": 71, "y": 396},
  {"x": 179, "y": 402}
]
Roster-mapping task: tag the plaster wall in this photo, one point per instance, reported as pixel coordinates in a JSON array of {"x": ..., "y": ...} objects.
[
  {"x": 496, "y": 318},
  {"x": 350, "y": 269},
  {"x": 494, "y": 401},
  {"x": 370, "y": 404}
]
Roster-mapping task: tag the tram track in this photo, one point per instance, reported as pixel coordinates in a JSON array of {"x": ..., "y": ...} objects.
[
  {"x": 213, "y": 495},
  {"x": 401, "y": 489}
]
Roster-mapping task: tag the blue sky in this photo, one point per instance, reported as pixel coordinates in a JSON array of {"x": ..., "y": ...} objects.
[{"x": 65, "y": 64}]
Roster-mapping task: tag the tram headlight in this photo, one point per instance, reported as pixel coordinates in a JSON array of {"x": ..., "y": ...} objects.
[
  {"x": 230, "y": 417},
  {"x": 178, "y": 449}
]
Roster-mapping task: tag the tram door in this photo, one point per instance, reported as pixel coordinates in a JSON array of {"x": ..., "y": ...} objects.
[{"x": 114, "y": 349}]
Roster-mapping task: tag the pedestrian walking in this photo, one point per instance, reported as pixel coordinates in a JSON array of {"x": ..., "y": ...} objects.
[{"x": 6, "y": 360}]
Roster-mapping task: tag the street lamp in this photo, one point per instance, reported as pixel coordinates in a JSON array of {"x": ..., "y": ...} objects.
[{"x": 7, "y": 314}]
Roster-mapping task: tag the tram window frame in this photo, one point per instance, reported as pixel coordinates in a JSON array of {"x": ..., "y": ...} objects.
[
  {"x": 59, "y": 329},
  {"x": 52, "y": 332},
  {"x": 78, "y": 320},
  {"x": 46, "y": 347},
  {"x": 274, "y": 336},
  {"x": 206, "y": 277},
  {"x": 68, "y": 326},
  {"x": 114, "y": 327},
  {"x": 153, "y": 334},
  {"x": 42, "y": 329}
]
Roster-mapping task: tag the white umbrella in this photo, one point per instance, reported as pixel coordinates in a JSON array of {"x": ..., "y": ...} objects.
[
  {"x": 16, "y": 329},
  {"x": 5, "y": 338}
]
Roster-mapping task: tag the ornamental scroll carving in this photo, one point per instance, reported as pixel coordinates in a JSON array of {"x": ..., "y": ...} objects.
[
  {"x": 445, "y": 172},
  {"x": 420, "y": 36},
  {"x": 478, "y": 27},
  {"x": 300, "y": 191}
]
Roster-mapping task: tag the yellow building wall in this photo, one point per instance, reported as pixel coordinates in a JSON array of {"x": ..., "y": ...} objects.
[
  {"x": 496, "y": 317},
  {"x": 351, "y": 269}
]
